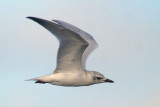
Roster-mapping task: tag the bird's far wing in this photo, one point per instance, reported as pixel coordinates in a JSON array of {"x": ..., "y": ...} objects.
[
  {"x": 87, "y": 37},
  {"x": 71, "y": 49}
]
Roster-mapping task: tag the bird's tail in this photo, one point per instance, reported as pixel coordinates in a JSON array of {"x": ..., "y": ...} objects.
[
  {"x": 37, "y": 80},
  {"x": 33, "y": 79}
]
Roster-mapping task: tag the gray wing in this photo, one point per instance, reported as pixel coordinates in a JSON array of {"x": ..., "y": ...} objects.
[
  {"x": 73, "y": 47},
  {"x": 92, "y": 44}
]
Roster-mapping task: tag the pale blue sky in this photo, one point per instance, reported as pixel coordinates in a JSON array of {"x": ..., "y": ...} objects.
[{"x": 129, "y": 52}]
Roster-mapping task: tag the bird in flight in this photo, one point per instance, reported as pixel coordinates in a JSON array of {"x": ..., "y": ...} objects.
[{"x": 74, "y": 49}]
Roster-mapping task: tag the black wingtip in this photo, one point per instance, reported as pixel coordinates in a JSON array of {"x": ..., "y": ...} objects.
[
  {"x": 38, "y": 20},
  {"x": 30, "y": 17}
]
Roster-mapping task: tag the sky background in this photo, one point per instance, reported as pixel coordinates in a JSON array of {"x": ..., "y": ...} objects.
[{"x": 128, "y": 35}]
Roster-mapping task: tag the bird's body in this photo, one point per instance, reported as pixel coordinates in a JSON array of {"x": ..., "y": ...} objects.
[
  {"x": 67, "y": 79},
  {"x": 75, "y": 46}
]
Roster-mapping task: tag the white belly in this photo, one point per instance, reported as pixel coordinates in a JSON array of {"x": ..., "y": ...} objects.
[{"x": 69, "y": 79}]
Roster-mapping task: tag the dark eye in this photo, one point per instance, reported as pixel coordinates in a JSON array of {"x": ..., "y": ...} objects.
[{"x": 99, "y": 78}]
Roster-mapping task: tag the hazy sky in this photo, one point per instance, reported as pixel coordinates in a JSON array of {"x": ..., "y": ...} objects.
[{"x": 128, "y": 35}]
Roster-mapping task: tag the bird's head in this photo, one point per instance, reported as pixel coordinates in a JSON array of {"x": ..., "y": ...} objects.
[{"x": 99, "y": 78}]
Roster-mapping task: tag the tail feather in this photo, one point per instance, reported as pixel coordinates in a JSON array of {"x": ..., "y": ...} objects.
[
  {"x": 36, "y": 80},
  {"x": 33, "y": 79}
]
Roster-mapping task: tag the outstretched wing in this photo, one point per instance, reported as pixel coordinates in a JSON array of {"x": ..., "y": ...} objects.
[
  {"x": 75, "y": 44},
  {"x": 92, "y": 44}
]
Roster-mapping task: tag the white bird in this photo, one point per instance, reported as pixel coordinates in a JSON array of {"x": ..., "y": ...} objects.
[{"x": 75, "y": 47}]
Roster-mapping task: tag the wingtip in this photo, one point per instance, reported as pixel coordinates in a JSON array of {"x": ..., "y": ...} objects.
[
  {"x": 30, "y": 17},
  {"x": 38, "y": 20}
]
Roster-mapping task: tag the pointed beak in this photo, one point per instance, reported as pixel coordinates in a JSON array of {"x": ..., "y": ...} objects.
[{"x": 108, "y": 80}]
